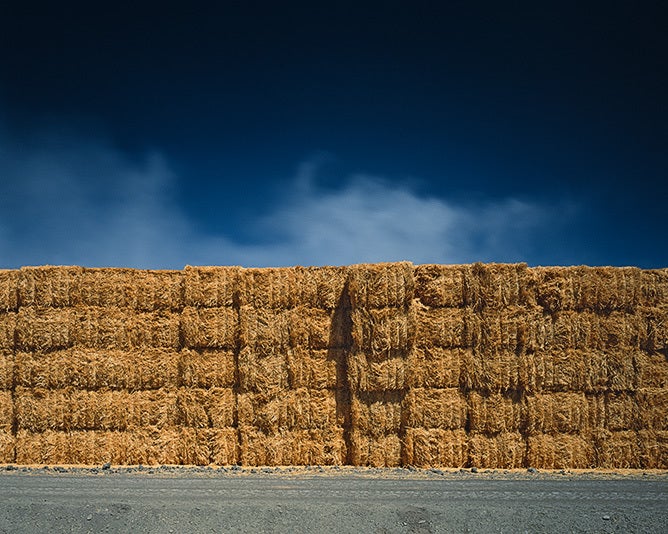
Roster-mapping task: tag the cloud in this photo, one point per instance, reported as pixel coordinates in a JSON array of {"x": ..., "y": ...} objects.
[{"x": 66, "y": 201}]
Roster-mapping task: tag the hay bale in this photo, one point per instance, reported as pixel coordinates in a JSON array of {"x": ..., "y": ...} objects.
[
  {"x": 211, "y": 287},
  {"x": 492, "y": 413},
  {"x": 9, "y": 290},
  {"x": 596, "y": 411},
  {"x": 652, "y": 409},
  {"x": 45, "y": 329},
  {"x": 184, "y": 446},
  {"x": 132, "y": 288},
  {"x": 442, "y": 286},
  {"x": 382, "y": 332},
  {"x": 6, "y": 370},
  {"x": 445, "y": 327},
  {"x": 515, "y": 329},
  {"x": 375, "y": 451},
  {"x": 563, "y": 370},
  {"x": 654, "y": 330},
  {"x": 365, "y": 374},
  {"x": 7, "y": 448},
  {"x": 315, "y": 369},
  {"x": 260, "y": 373},
  {"x": 322, "y": 287},
  {"x": 497, "y": 285},
  {"x": 125, "y": 329},
  {"x": 617, "y": 449},
  {"x": 8, "y": 322},
  {"x": 6, "y": 411},
  {"x": 312, "y": 328},
  {"x": 267, "y": 331},
  {"x": 506, "y": 450},
  {"x": 621, "y": 412},
  {"x": 654, "y": 287},
  {"x": 297, "y": 447},
  {"x": 376, "y": 414},
  {"x": 435, "y": 448},
  {"x": 210, "y": 328},
  {"x": 47, "y": 286},
  {"x": 560, "y": 451},
  {"x": 223, "y": 444},
  {"x": 435, "y": 408},
  {"x": 288, "y": 410},
  {"x": 652, "y": 370},
  {"x": 653, "y": 446},
  {"x": 270, "y": 288},
  {"x": 205, "y": 408},
  {"x": 491, "y": 372},
  {"x": 435, "y": 367},
  {"x": 553, "y": 413},
  {"x": 206, "y": 368},
  {"x": 381, "y": 285},
  {"x": 94, "y": 369},
  {"x": 586, "y": 330}
]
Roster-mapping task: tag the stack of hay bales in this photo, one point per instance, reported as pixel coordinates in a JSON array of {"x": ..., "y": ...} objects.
[
  {"x": 8, "y": 309},
  {"x": 290, "y": 364},
  {"x": 382, "y": 335}
]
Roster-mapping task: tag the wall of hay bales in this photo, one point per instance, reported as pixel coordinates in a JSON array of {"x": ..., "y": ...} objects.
[{"x": 491, "y": 365}]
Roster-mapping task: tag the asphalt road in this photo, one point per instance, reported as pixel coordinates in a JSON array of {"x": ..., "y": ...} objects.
[{"x": 51, "y": 502}]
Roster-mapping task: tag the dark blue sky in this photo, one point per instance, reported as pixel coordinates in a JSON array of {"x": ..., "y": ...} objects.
[{"x": 266, "y": 133}]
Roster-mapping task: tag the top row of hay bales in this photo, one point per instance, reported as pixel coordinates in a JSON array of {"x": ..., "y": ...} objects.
[{"x": 478, "y": 286}]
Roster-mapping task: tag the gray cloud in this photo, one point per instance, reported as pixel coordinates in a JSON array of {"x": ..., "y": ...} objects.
[{"x": 63, "y": 201}]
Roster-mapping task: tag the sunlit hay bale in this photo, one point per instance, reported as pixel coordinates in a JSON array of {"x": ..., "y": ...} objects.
[
  {"x": 492, "y": 413},
  {"x": 138, "y": 289},
  {"x": 184, "y": 446},
  {"x": 96, "y": 369},
  {"x": 205, "y": 408},
  {"x": 596, "y": 411},
  {"x": 435, "y": 367},
  {"x": 621, "y": 412},
  {"x": 8, "y": 321},
  {"x": 506, "y": 450},
  {"x": 45, "y": 329},
  {"x": 553, "y": 413},
  {"x": 652, "y": 370},
  {"x": 287, "y": 410},
  {"x": 7, "y": 447},
  {"x": 434, "y": 448},
  {"x": 621, "y": 370},
  {"x": 223, "y": 444},
  {"x": 653, "y": 446},
  {"x": 375, "y": 451},
  {"x": 382, "y": 332},
  {"x": 654, "y": 330},
  {"x": 322, "y": 287},
  {"x": 6, "y": 411},
  {"x": 563, "y": 370},
  {"x": 497, "y": 285},
  {"x": 315, "y": 369},
  {"x": 493, "y": 371},
  {"x": 206, "y": 368},
  {"x": 47, "y": 286},
  {"x": 270, "y": 288},
  {"x": 652, "y": 406},
  {"x": 381, "y": 285},
  {"x": 560, "y": 451},
  {"x": 266, "y": 331},
  {"x": 42, "y": 448},
  {"x": 365, "y": 374},
  {"x": 38, "y": 410},
  {"x": 617, "y": 449},
  {"x": 9, "y": 290},
  {"x": 6, "y": 370},
  {"x": 442, "y": 286},
  {"x": 297, "y": 447},
  {"x": 376, "y": 414},
  {"x": 312, "y": 328},
  {"x": 654, "y": 287},
  {"x": 210, "y": 328},
  {"x": 262, "y": 373},
  {"x": 435, "y": 408},
  {"x": 211, "y": 287},
  {"x": 446, "y": 327},
  {"x": 515, "y": 329}
]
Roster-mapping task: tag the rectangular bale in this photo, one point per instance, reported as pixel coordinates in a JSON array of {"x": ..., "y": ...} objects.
[
  {"x": 652, "y": 409},
  {"x": 497, "y": 285},
  {"x": 654, "y": 287},
  {"x": 587, "y": 330},
  {"x": 9, "y": 290},
  {"x": 561, "y": 451},
  {"x": 654, "y": 328},
  {"x": 297, "y": 447},
  {"x": 442, "y": 286},
  {"x": 270, "y": 288},
  {"x": 652, "y": 370},
  {"x": 6, "y": 411},
  {"x": 375, "y": 451},
  {"x": 289, "y": 410},
  {"x": 184, "y": 446},
  {"x": 94, "y": 369},
  {"x": 316, "y": 369},
  {"x": 366, "y": 374},
  {"x": 514, "y": 328},
  {"x": 493, "y": 372},
  {"x": 211, "y": 287},
  {"x": 434, "y": 448},
  {"x": 207, "y": 368},
  {"x": 491, "y": 413},
  {"x": 8, "y": 321},
  {"x": 45, "y": 329},
  {"x": 265, "y": 331},
  {"x": 506, "y": 450},
  {"x": 210, "y": 328},
  {"x": 382, "y": 332},
  {"x": 435, "y": 367},
  {"x": 376, "y": 414},
  {"x": 205, "y": 408},
  {"x": 446, "y": 327},
  {"x": 554, "y": 413},
  {"x": 621, "y": 412},
  {"x": 322, "y": 287},
  {"x": 224, "y": 445},
  {"x": 563, "y": 370},
  {"x": 263, "y": 373},
  {"x": 381, "y": 285},
  {"x": 7, "y": 447},
  {"x": 6, "y": 370},
  {"x": 435, "y": 408},
  {"x": 618, "y": 450},
  {"x": 314, "y": 328},
  {"x": 653, "y": 449},
  {"x": 47, "y": 286}
]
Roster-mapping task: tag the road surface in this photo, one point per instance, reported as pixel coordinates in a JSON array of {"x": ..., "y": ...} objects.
[{"x": 260, "y": 502}]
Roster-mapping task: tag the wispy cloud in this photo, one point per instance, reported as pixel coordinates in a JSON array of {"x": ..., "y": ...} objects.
[{"x": 64, "y": 201}]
